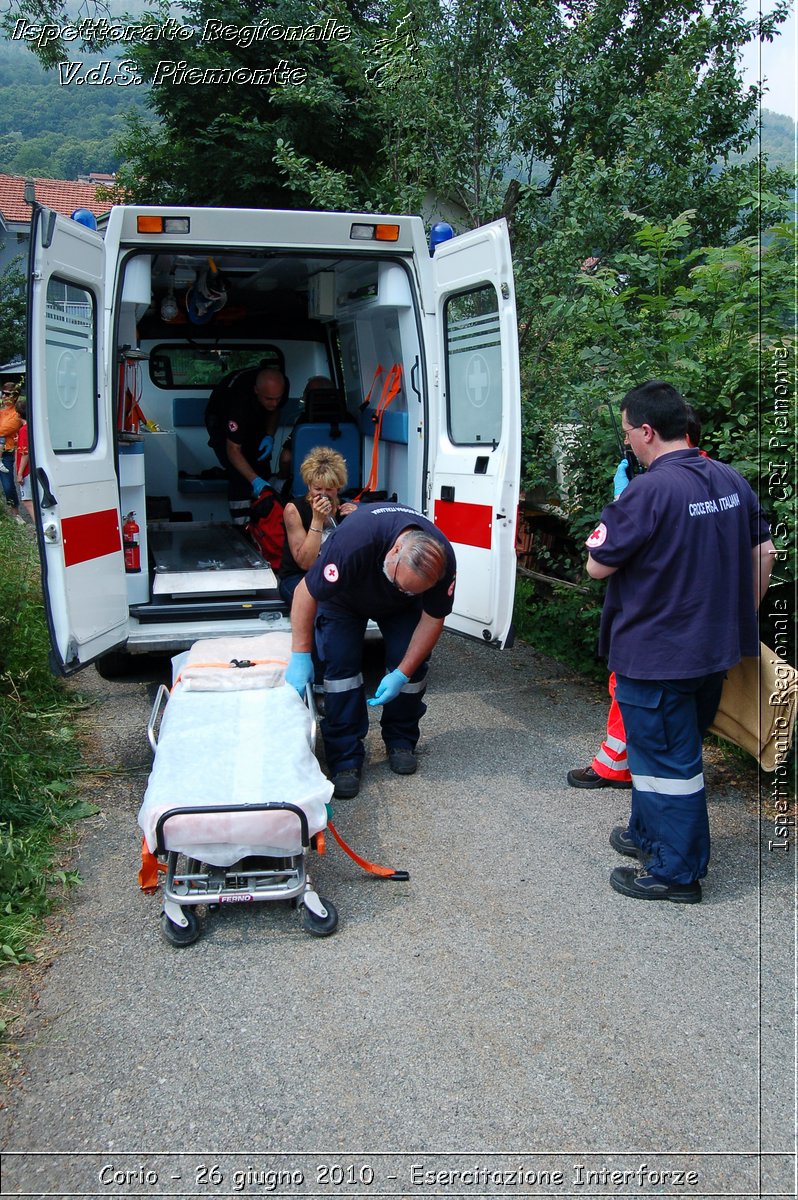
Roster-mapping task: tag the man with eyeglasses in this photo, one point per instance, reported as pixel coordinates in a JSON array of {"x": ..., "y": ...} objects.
[
  {"x": 688, "y": 556},
  {"x": 389, "y": 564}
]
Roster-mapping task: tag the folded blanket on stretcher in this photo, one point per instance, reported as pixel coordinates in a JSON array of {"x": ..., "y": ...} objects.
[
  {"x": 212, "y": 665},
  {"x": 248, "y": 746}
]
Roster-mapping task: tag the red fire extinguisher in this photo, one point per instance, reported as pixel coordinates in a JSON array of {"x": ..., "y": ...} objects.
[{"x": 130, "y": 543}]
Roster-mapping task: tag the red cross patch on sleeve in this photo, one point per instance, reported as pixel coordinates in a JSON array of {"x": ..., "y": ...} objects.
[{"x": 598, "y": 537}]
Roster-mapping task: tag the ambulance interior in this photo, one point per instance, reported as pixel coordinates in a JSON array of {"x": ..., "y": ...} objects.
[{"x": 183, "y": 322}]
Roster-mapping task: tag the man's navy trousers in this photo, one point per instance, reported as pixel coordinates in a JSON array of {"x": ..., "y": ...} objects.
[
  {"x": 339, "y": 642},
  {"x": 665, "y": 721}
]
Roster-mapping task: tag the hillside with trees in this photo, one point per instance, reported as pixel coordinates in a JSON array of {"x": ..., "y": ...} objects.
[{"x": 54, "y": 131}]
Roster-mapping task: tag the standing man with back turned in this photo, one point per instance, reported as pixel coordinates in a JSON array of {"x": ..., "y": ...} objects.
[{"x": 688, "y": 556}]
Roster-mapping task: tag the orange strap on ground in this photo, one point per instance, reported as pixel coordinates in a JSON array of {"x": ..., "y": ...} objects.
[
  {"x": 148, "y": 874},
  {"x": 372, "y": 868}
]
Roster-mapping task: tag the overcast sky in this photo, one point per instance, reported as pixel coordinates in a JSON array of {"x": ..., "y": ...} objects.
[{"x": 775, "y": 63}]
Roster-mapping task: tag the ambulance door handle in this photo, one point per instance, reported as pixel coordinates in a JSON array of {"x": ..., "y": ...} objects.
[
  {"x": 414, "y": 379},
  {"x": 48, "y": 499}
]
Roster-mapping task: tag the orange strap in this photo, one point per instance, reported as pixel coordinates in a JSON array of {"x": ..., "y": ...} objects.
[
  {"x": 377, "y": 374},
  {"x": 383, "y": 872},
  {"x": 148, "y": 874},
  {"x": 390, "y": 389}
]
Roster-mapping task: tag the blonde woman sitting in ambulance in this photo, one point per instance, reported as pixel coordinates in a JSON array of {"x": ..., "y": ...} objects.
[{"x": 310, "y": 520}]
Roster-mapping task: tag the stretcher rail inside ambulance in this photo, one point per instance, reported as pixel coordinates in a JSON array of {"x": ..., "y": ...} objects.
[{"x": 136, "y": 319}]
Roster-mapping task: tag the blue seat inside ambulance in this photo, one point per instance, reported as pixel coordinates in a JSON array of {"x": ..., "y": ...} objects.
[{"x": 325, "y": 422}]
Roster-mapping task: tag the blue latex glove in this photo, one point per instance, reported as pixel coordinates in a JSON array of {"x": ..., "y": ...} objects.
[
  {"x": 389, "y": 688},
  {"x": 299, "y": 671},
  {"x": 258, "y": 485},
  {"x": 620, "y": 479},
  {"x": 265, "y": 448}
]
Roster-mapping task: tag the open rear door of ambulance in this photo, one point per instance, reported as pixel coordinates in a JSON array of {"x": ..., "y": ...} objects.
[
  {"x": 73, "y": 477},
  {"x": 476, "y": 458}
]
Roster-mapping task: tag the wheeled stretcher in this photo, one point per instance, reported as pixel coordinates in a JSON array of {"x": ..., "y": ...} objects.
[{"x": 236, "y": 797}]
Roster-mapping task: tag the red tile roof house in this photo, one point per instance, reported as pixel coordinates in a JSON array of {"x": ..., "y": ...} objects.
[{"x": 62, "y": 195}]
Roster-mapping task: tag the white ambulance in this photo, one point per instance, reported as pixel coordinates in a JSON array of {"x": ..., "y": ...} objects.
[{"x": 127, "y": 339}]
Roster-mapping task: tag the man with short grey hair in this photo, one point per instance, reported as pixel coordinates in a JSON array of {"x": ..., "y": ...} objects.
[{"x": 387, "y": 563}]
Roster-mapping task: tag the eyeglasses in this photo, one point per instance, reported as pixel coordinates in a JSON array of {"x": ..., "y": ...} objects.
[
  {"x": 631, "y": 429},
  {"x": 403, "y": 591}
]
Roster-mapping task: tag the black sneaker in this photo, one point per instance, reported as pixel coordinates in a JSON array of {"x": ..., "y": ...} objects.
[
  {"x": 641, "y": 886},
  {"x": 620, "y": 841},
  {"x": 402, "y": 760},
  {"x": 347, "y": 784},
  {"x": 586, "y": 777}
]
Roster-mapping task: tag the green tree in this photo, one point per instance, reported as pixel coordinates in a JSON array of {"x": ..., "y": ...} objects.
[
  {"x": 216, "y": 143},
  {"x": 12, "y": 311}
]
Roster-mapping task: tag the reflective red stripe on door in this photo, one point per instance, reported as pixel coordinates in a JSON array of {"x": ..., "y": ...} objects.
[
  {"x": 468, "y": 524},
  {"x": 90, "y": 535}
]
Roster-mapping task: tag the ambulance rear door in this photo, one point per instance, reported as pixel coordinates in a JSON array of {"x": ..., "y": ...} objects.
[
  {"x": 73, "y": 476},
  {"x": 476, "y": 457}
]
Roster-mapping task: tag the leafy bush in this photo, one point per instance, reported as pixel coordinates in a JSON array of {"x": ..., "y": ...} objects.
[
  {"x": 718, "y": 323},
  {"x": 561, "y": 621}
]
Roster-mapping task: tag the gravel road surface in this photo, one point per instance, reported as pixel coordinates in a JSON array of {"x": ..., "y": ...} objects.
[{"x": 502, "y": 1024}]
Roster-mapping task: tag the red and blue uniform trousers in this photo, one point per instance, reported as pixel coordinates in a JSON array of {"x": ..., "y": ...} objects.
[
  {"x": 611, "y": 761},
  {"x": 665, "y": 722},
  {"x": 339, "y": 642}
]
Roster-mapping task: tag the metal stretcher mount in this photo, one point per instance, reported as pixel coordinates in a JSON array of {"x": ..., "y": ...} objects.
[{"x": 236, "y": 796}]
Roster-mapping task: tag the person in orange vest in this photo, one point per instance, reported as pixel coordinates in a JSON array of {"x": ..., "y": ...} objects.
[{"x": 10, "y": 424}]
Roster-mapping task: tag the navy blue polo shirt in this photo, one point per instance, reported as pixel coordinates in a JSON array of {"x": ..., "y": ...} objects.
[
  {"x": 349, "y": 569},
  {"x": 681, "y": 603},
  {"x": 247, "y": 424}
]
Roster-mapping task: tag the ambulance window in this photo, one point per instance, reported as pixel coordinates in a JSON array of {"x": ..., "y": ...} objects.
[
  {"x": 187, "y": 365},
  {"x": 473, "y": 367},
  {"x": 70, "y": 349}
]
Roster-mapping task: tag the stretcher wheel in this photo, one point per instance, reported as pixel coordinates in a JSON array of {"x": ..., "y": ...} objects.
[
  {"x": 320, "y": 926},
  {"x": 178, "y": 935}
]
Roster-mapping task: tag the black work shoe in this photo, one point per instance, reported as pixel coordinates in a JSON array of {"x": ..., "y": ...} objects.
[
  {"x": 586, "y": 777},
  {"x": 642, "y": 886},
  {"x": 620, "y": 841},
  {"x": 402, "y": 760},
  {"x": 347, "y": 784}
]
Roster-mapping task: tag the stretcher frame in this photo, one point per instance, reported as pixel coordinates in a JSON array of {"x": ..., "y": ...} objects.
[{"x": 191, "y": 882}]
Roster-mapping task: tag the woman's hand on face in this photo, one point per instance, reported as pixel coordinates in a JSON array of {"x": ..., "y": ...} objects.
[{"x": 322, "y": 505}]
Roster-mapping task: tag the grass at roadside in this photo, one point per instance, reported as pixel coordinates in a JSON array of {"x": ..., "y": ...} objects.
[{"x": 39, "y": 755}]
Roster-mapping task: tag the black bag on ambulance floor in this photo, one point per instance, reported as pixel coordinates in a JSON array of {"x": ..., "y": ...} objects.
[{"x": 266, "y": 528}]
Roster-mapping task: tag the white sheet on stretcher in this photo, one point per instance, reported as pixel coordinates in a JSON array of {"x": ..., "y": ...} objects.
[{"x": 234, "y": 747}]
